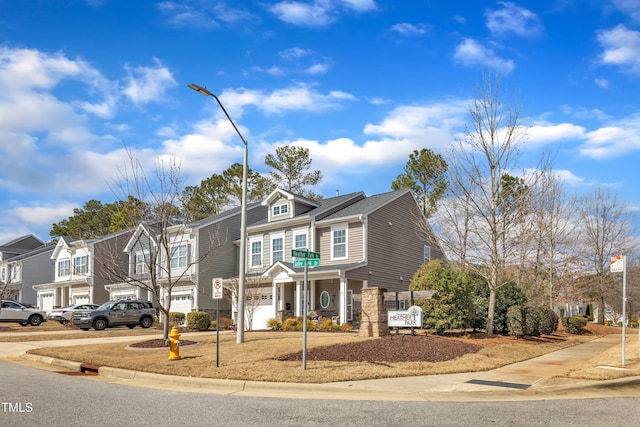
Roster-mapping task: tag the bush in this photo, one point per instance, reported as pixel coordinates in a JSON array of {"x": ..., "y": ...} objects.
[
  {"x": 548, "y": 321},
  {"x": 225, "y": 323},
  {"x": 574, "y": 324},
  {"x": 507, "y": 296},
  {"x": 326, "y": 325},
  {"x": 531, "y": 321},
  {"x": 274, "y": 324},
  {"x": 516, "y": 321},
  {"x": 198, "y": 320},
  {"x": 291, "y": 324},
  {"x": 176, "y": 318},
  {"x": 345, "y": 327}
]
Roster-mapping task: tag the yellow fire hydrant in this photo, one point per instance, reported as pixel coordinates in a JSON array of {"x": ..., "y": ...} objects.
[{"x": 174, "y": 344}]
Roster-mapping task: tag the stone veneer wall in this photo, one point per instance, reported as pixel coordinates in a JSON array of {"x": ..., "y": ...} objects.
[{"x": 373, "y": 322}]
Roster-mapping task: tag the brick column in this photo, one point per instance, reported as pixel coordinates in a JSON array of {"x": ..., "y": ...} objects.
[{"x": 374, "y": 313}]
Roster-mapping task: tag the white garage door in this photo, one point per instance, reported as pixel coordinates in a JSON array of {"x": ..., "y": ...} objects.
[
  {"x": 261, "y": 316},
  {"x": 181, "y": 303},
  {"x": 46, "y": 302},
  {"x": 81, "y": 299}
]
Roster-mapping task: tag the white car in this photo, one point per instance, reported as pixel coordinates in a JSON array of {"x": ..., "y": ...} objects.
[
  {"x": 12, "y": 311},
  {"x": 63, "y": 314}
]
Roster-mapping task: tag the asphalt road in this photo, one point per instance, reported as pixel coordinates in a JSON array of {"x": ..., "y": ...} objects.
[{"x": 33, "y": 397}]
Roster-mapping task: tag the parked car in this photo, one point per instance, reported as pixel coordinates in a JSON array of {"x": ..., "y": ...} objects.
[
  {"x": 116, "y": 313},
  {"x": 63, "y": 314},
  {"x": 13, "y": 311}
]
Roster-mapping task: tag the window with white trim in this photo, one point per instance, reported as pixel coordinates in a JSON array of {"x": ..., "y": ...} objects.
[
  {"x": 427, "y": 254},
  {"x": 81, "y": 265},
  {"x": 64, "y": 268},
  {"x": 300, "y": 240},
  {"x": 277, "y": 248},
  {"x": 256, "y": 252},
  {"x": 179, "y": 256},
  {"x": 141, "y": 265},
  {"x": 339, "y": 241},
  {"x": 349, "y": 304},
  {"x": 281, "y": 209}
]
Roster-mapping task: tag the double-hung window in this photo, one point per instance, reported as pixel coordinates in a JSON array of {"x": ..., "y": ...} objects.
[
  {"x": 141, "y": 259},
  {"x": 277, "y": 248},
  {"x": 81, "y": 265},
  {"x": 300, "y": 240},
  {"x": 63, "y": 268},
  {"x": 256, "y": 252},
  {"x": 179, "y": 256},
  {"x": 339, "y": 241},
  {"x": 427, "y": 254}
]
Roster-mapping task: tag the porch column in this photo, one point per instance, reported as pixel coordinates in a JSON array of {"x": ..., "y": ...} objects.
[
  {"x": 274, "y": 304},
  {"x": 312, "y": 296},
  {"x": 298, "y": 305},
  {"x": 343, "y": 300}
]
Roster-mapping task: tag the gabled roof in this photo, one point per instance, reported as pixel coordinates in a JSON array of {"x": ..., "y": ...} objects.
[
  {"x": 19, "y": 246},
  {"x": 65, "y": 242},
  {"x": 324, "y": 208},
  {"x": 142, "y": 228},
  {"x": 366, "y": 205},
  {"x": 278, "y": 193},
  {"x": 49, "y": 246},
  {"x": 222, "y": 215}
]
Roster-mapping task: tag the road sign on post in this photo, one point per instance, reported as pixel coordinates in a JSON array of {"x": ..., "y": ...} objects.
[
  {"x": 217, "y": 288},
  {"x": 306, "y": 262},
  {"x": 298, "y": 253}
]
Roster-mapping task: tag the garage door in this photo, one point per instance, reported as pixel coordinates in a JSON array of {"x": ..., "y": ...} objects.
[
  {"x": 181, "y": 303},
  {"x": 81, "y": 299},
  {"x": 46, "y": 302}
]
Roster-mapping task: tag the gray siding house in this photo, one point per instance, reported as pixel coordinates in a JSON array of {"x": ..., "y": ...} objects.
[
  {"x": 380, "y": 240},
  {"x": 24, "y": 262}
]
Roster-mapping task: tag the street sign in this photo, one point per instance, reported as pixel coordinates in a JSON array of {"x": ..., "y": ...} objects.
[
  {"x": 617, "y": 264},
  {"x": 308, "y": 262},
  {"x": 217, "y": 288},
  {"x": 297, "y": 253}
]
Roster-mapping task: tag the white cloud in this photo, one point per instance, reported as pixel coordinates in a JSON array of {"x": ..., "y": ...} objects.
[
  {"x": 317, "y": 69},
  {"x": 294, "y": 52},
  {"x": 318, "y": 13},
  {"x": 610, "y": 142},
  {"x": 148, "y": 84},
  {"x": 303, "y": 14},
  {"x": 621, "y": 47},
  {"x": 512, "y": 19},
  {"x": 42, "y": 215},
  {"x": 546, "y": 133},
  {"x": 471, "y": 53},
  {"x": 295, "y": 98},
  {"x": 182, "y": 15},
  {"x": 407, "y": 29},
  {"x": 632, "y": 7}
]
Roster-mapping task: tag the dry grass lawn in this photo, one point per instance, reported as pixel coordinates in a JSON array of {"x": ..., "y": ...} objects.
[{"x": 255, "y": 359}]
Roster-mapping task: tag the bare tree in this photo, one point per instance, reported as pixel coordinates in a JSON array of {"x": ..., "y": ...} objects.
[
  {"x": 488, "y": 151},
  {"x": 160, "y": 257},
  {"x": 604, "y": 232},
  {"x": 253, "y": 292}
]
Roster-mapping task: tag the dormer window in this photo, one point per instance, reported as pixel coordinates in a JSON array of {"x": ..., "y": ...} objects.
[{"x": 281, "y": 209}]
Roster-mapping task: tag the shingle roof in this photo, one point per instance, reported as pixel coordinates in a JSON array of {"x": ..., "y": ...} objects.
[{"x": 366, "y": 205}]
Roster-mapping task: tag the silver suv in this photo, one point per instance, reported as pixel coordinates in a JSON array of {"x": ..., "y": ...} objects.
[
  {"x": 12, "y": 311},
  {"x": 116, "y": 313}
]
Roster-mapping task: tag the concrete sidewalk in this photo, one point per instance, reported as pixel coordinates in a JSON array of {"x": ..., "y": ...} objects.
[{"x": 533, "y": 379}]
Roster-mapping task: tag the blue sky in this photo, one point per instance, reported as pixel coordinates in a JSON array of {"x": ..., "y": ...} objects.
[{"x": 361, "y": 83}]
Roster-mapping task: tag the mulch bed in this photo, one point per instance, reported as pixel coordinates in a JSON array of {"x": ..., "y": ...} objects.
[{"x": 390, "y": 349}]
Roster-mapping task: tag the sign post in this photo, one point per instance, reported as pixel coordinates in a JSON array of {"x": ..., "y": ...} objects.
[
  {"x": 217, "y": 295},
  {"x": 310, "y": 259},
  {"x": 619, "y": 265}
]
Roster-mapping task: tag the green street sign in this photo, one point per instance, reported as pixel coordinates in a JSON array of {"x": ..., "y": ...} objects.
[
  {"x": 308, "y": 262},
  {"x": 297, "y": 253}
]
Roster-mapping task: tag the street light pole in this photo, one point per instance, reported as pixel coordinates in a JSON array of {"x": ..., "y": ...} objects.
[{"x": 243, "y": 218}]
